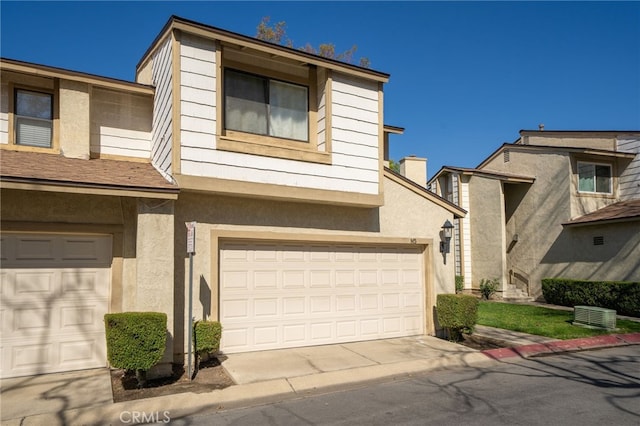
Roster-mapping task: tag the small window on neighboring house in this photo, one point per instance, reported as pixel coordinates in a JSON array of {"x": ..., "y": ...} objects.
[
  {"x": 264, "y": 106},
  {"x": 594, "y": 177},
  {"x": 33, "y": 118}
]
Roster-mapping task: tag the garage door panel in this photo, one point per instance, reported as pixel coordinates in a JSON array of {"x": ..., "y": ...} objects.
[
  {"x": 55, "y": 292},
  {"x": 293, "y": 279},
  {"x": 84, "y": 283},
  {"x": 348, "y": 293},
  {"x": 37, "y": 285},
  {"x": 265, "y": 280}
]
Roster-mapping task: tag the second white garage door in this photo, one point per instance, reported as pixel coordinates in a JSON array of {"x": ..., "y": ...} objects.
[{"x": 284, "y": 295}]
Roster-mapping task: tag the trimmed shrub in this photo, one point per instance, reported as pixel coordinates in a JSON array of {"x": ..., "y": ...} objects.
[
  {"x": 488, "y": 287},
  {"x": 459, "y": 283},
  {"x": 458, "y": 313},
  {"x": 136, "y": 341},
  {"x": 206, "y": 336},
  {"x": 623, "y": 296}
]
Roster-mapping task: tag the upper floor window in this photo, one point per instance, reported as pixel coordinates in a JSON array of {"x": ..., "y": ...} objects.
[
  {"x": 265, "y": 106},
  {"x": 594, "y": 177},
  {"x": 33, "y": 118}
]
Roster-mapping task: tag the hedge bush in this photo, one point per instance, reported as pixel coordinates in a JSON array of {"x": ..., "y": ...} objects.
[
  {"x": 458, "y": 313},
  {"x": 136, "y": 340},
  {"x": 206, "y": 336},
  {"x": 623, "y": 296}
]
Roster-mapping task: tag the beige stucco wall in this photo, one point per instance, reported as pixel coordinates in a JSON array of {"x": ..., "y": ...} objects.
[
  {"x": 142, "y": 231},
  {"x": 405, "y": 214},
  {"x": 487, "y": 230},
  {"x": 573, "y": 254},
  {"x": 155, "y": 266},
  {"x": 75, "y": 112},
  {"x": 536, "y": 213},
  {"x": 607, "y": 142}
]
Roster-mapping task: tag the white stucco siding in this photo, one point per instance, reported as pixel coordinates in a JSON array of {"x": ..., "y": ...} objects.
[
  {"x": 354, "y": 121},
  {"x": 630, "y": 178},
  {"x": 453, "y": 179},
  {"x": 253, "y": 168},
  {"x": 120, "y": 124},
  {"x": 162, "y": 135},
  {"x": 4, "y": 113},
  {"x": 197, "y": 93},
  {"x": 124, "y": 142},
  {"x": 322, "y": 112}
]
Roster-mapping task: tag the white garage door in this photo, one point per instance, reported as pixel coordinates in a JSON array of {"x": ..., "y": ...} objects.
[
  {"x": 283, "y": 295},
  {"x": 55, "y": 292}
]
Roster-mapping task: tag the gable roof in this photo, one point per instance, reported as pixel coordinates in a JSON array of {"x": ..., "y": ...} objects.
[
  {"x": 50, "y": 172},
  {"x": 506, "y": 177},
  {"x": 622, "y": 211},
  {"x": 548, "y": 148},
  {"x": 456, "y": 210},
  {"x": 208, "y": 31}
]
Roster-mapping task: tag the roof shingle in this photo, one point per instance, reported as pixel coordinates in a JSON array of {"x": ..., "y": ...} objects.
[{"x": 30, "y": 167}]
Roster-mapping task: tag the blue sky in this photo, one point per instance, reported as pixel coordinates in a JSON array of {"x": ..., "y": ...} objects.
[{"x": 465, "y": 76}]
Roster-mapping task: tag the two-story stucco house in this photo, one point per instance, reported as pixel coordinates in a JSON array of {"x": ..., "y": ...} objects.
[
  {"x": 303, "y": 237},
  {"x": 551, "y": 204}
]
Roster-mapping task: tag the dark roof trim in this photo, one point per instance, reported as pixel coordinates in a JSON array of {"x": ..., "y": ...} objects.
[
  {"x": 49, "y": 71},
  {"x": 579, "y": 150},
  {"x": 393, "y": 129},
  {"x": 173, "y": 20},
  {"x": 486, "y": 173},
  {"x": 70, "y": 184},
  {"x": 524, "y": 132}
]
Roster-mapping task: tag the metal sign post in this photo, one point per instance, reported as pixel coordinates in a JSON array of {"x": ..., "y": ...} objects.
[{"x": 191, "y": 250}]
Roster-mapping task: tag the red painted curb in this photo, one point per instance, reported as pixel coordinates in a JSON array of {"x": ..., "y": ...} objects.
[
  {"x": 533, "y": 349},
  {"x": 630, "y": 338},
  {"x": 559, "y": 346},
  {"x": 500, "y": 353}
]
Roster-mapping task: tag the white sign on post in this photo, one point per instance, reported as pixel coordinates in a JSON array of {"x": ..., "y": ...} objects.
[{"x": 191, "y": 237}]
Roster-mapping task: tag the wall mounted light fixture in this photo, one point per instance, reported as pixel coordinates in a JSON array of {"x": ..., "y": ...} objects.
[{"x": 447, "y": 233}]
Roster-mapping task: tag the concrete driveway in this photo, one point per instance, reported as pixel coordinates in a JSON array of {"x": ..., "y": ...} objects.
[
  {"x": 252, "y": 367},
  {"x": 53, "y": 393}
]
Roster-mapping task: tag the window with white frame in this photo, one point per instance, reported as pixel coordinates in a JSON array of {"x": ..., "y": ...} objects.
[
  {"x": 594, "y": 178},
  {"x": 33, "y": 118},
  {"x": 265, "y": 106}
]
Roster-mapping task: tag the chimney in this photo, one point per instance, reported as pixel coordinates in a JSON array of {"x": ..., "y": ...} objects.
[
  {"x": 415, "y": 169},
  {"x": 541, "y": 127}
]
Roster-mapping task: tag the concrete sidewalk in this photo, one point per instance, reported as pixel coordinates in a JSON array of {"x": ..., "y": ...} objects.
[{"x": 264, "y": 377}]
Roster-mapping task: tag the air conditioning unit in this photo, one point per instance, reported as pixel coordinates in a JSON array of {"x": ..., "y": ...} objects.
[{"x": 592, "y": 316}]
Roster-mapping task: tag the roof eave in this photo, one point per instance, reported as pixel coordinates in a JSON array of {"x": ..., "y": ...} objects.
[
  {"x": 197, "y": 28},
  {"x": 601, "y": 221},
  {"x": 10, "y": 182}
]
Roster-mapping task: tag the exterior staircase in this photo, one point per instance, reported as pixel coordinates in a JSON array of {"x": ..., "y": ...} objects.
[{"x": 515, "y": 294}]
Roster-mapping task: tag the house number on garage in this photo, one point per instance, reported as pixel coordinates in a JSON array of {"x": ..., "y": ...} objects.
[{"x": 191, "y": 237}]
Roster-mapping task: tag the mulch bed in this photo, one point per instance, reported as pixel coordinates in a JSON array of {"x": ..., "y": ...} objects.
[{"x": 210, "y": 376}]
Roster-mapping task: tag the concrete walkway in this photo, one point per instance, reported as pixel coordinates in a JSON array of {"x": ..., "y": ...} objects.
[{"x": 84, "y": 398}]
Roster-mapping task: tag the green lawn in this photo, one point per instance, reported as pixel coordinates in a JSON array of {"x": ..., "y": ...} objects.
[{"x": 542, "y": 321}]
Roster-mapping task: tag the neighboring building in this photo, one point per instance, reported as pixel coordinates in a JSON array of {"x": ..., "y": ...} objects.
[
  {"x": 552, "y": 204},
  {"x": 302, "y": 236}
]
